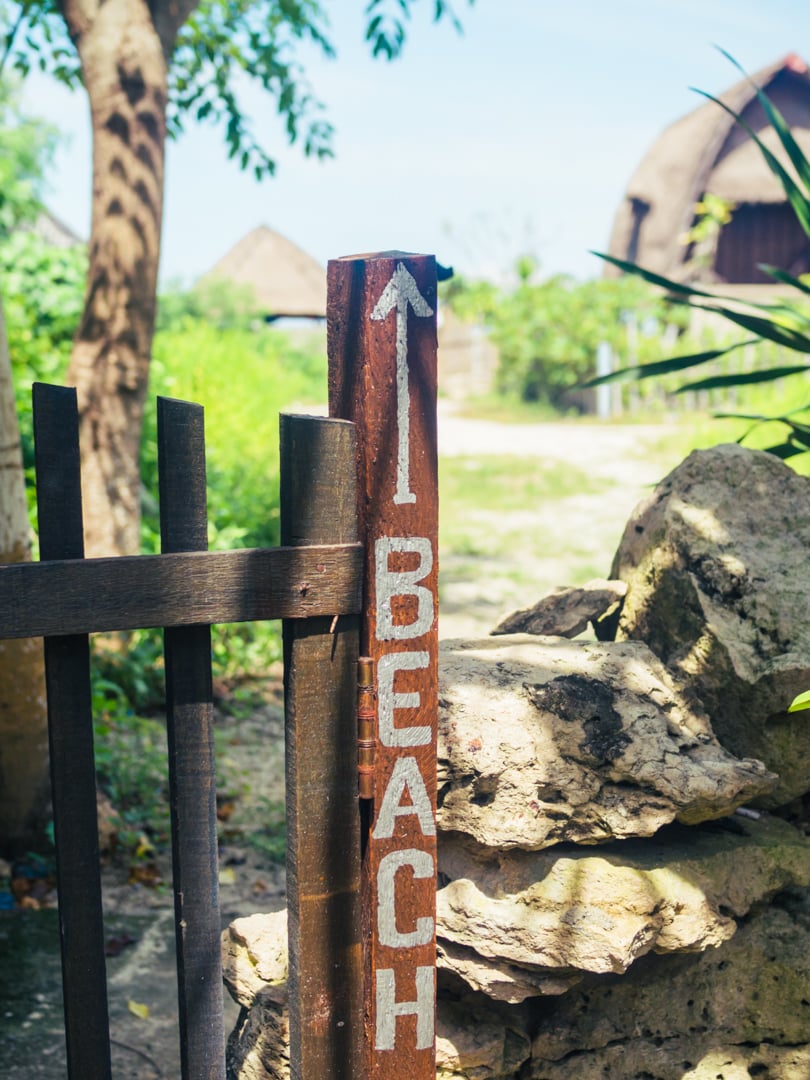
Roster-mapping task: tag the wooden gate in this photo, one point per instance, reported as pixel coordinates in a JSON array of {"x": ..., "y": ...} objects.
[{"x": 357, "y": 490}]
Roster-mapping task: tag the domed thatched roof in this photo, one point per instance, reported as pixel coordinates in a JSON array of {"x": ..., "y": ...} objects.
[
  {"x": 284, "y": 279},
  {"x": 706, "y": 151}
]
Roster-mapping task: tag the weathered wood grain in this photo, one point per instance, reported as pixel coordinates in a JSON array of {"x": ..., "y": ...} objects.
[
  {"x": 382, "y": 375},
  {"x": 70, "y": 733},
  {"x": 190, "y": 737},
  {"x": 318, "y": 498},
  {"x": 80, "y": 596}
]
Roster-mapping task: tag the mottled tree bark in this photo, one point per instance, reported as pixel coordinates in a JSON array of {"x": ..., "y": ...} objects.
[
  {"x": 124, "y": 46},
  {"x": 23, "y": 713}
]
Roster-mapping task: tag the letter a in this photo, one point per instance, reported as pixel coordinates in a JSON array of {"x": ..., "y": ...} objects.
[{"x": 405, "y": 774}]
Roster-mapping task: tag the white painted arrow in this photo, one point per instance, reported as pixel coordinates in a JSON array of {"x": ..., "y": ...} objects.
[{"x": 400, "y": 291}]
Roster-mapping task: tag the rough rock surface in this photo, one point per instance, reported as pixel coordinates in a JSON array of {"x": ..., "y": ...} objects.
[
  {"x": 600, "y": 910},
  {"x": 716, "y": 566},
  {"x": 254, "y": 958},
  {"x": 543, "y": 740},
  {"x": 567, "y": 611},
  {"x": 736, "y": 1012},
  {"x": 499, "y": 979},
  {"x": 259, "y": 1046},
  {"x": 471, "y": 1043}
]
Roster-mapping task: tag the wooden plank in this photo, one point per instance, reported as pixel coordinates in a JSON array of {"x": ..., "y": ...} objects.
[
  {"x": 70, "y": 728},
  {"x": 318, "y": 499},
  {"x": 83, "y": 596},
  {"x": 382, "y": 374},
  {"x": 190, "y": 735}
]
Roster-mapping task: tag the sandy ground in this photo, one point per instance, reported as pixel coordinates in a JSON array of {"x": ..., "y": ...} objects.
[{"x": 538, "y": 547}]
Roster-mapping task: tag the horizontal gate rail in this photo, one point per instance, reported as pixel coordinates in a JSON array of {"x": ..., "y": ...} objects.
[{"x": 83, "y": 596}]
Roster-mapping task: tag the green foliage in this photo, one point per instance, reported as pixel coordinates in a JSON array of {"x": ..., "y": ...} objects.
[
  {"x": 800, "y": 702},
  {"x": 784, "y": 323},
  {"x": 243, "y": 378},
  {"x": 43, "y": 289},
  {"x": 268, "y": 831},
  {"x": 26, "y": 146},
  {"x": 131, "y": 768},
  {"x": 222, "y": 44},
  {"x": 547, "y": 331},
  {"x": 712, "y": 214},
  {"x": 387, "y": 19},
  {"x": 219, "y": 301}
]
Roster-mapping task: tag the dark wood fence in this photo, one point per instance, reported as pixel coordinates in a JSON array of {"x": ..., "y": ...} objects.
[
  {"x": 358, "y": 569},
  {"x": 314, "y": 584}
]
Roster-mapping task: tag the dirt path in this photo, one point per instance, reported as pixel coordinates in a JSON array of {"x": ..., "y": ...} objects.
[{"x": 526, "y": 552}]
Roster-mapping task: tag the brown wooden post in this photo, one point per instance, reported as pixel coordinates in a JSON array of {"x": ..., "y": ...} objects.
[
  {"x": 318, "y": 498},
  {"x": 382, "y": 375}
]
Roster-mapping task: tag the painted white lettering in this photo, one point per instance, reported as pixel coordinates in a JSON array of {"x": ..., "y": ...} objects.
[
  {"x": 390, "y": 699},
  {"x": 389, "y": 583},
  {"x": 405, "y": 774},
  {"x": 388, "y": 1009},
  {"x": 401, "y": 291},
  {"x": 422, "y": 864}
]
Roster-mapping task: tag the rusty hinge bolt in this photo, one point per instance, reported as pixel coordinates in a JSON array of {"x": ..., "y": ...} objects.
[{"x": 366, "y": 718}]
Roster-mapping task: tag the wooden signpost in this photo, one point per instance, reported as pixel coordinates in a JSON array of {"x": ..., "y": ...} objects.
[{"x": 381, "y": 313}]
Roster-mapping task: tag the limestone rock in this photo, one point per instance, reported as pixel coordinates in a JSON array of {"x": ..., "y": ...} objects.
[
  {"x": 543, "y": 740},
  {"x": 567, "y": 611},
  {"x": 599, "y": 911},
  {"x": 254, "y": 958},
  {"x": 498, "y": 979},
  {"x": 259, "y": 1046},
  {"x": 716, "y": 566},
  {"x": 738, "y": 1011},
  {"x": 692, "y": 1057},
  {"x": 477, "y": 1044}
]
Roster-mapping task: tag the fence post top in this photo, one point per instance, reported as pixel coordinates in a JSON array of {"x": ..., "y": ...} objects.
[{"x": 379, "y": 255}]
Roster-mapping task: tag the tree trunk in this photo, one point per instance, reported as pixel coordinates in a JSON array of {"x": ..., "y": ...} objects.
[
  {"x": 124, "y": 70},
  {"x": 23, "y": 712}
]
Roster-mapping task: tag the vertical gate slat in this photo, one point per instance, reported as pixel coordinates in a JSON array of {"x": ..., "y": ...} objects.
[
  {"x": 189, "y": 705},
  {"x": 318, "y": 505},
  {"x": 70, "y": 725}
]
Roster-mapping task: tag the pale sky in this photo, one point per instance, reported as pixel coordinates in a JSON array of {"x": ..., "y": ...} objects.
[{"x": 518, "y": 135}]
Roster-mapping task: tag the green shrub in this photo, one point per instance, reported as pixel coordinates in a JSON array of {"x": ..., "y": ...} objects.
[{"x": 547, "y": 331}]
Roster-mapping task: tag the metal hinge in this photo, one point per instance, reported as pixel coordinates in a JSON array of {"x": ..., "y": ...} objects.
[{"x": 366, "y": 722}]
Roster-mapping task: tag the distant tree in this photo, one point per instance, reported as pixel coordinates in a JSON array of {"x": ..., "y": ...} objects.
[
  {"x": 24, "y": 147},
  {"x": 147, "y": 68},
  {"x": 547, "y": 330}
]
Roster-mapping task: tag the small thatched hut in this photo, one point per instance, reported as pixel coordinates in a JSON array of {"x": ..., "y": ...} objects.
[
  {"x": 286, "y": 281},
  {"x": 707, "y": 152}
]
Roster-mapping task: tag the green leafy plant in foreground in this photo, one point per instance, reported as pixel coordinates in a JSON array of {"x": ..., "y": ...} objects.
[
  {"x": 786, "y": 323},
  {"x": 800, "y": 702}
]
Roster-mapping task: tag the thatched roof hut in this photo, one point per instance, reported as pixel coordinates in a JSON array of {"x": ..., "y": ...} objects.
[
  {"x": 707, "y": 152},
  {"x": 285, "y": 280}
]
